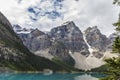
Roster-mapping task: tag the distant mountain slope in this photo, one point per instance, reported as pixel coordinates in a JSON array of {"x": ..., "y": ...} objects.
[{"x": 15, "y": 55}]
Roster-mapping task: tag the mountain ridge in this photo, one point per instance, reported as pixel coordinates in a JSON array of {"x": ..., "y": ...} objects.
[
  {"x": 14, "y": 55},
  {"x": 68, "y": 40}
]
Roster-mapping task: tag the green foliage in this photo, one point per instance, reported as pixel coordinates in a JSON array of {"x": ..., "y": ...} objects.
[
  {"x": 117, "y": 24},
  {"x": 116, "y": 45},
  {"x": 113, "y": 69},
  {"x": 114, "y": 63},
  {"x": 101, "y": 69},
  {"x": 64, "y": 65},
  {"x": 109, "y": 78},
  {"x": 116, "y": 2}
]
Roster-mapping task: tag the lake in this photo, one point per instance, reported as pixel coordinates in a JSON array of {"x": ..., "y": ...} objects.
[{"x": 55, "y": 76}]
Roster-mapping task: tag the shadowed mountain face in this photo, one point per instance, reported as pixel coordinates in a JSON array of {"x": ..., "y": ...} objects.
[{"x": 14, "y": 55}]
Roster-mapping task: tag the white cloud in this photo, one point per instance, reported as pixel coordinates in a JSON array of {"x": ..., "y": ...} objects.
[{"x": 84, "y": 13}]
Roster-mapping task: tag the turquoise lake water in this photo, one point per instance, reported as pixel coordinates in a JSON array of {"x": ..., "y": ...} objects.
[{"x": 57, "y": 76}]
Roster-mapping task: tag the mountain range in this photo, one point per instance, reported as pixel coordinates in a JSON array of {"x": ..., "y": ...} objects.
[
  {"x": 15, "y": 56},
  {"x": 67, "y": 43}
]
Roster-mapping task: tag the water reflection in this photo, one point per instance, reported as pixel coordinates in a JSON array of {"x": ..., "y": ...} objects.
[
  {"x": 24, "y": 76},
  {"x": 85, "y": 77}
]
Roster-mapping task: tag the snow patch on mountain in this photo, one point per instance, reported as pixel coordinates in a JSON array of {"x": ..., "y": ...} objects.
[{"x": 89, "y": 47}]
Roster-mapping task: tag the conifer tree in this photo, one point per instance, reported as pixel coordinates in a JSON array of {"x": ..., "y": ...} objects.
[{"x": 114, "y": 63}]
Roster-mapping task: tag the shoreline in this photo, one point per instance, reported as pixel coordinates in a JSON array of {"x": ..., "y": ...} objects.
[
  {"x": 41, "y": 72},
  {"x": 8, "y": 70}
]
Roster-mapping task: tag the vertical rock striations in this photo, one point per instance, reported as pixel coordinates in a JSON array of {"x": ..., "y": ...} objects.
[{"x": 71, "y": 36}]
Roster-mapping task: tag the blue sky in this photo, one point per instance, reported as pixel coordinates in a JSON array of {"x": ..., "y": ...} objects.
[{"x": 46, "y": 14}]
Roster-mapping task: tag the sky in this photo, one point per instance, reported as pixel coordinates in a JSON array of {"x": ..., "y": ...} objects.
[{"x": 46, "y": 14}]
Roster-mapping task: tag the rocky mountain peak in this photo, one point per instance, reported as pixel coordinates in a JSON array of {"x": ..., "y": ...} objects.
[
  {"x": 69, "y": 24},
  {"x": 93, "y": 29},
  {"x": 37, "y": 32},
  {"x": 70, "y": 35},
  {"x": 68, "y": 29},
  {"x": 96, "y": 39}
]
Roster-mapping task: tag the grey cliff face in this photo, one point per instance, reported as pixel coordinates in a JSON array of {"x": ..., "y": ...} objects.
[
  {"x": 96, "y": 39},
  {"x": 36, "y": 40},
  {"x": 71, "y": 36},
  {"x": 60, "y": 51},
  {"x": 36, "y": 33},
  {"x": 40, "y": 43}
]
